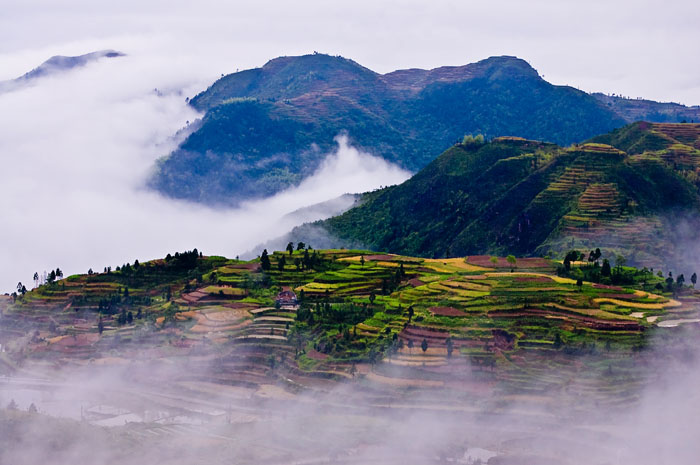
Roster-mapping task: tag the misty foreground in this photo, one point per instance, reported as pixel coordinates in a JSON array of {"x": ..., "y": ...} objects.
[{"x": 346, "y": 356}]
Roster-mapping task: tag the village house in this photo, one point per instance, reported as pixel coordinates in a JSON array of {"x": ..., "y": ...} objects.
[{"x": 286, "y": 298}]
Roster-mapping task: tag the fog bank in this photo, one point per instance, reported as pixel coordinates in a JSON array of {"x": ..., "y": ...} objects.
[{"x": 77, "y": 148}]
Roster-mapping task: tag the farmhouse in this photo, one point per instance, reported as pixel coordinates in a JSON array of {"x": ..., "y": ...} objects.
[{"x": 286, "y": 297}]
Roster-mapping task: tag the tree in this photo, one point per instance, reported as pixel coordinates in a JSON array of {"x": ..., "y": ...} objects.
[
  {"x": 301, "y": 246},
  {"x": 494, "y": 260},
  {"x": 694, "y": 279},
  {"x": 512, "y": 260},
  {"x": 424, "y": 345},
  {"x": 571, "y": 256},
  {"x": 450, "y": 347},
  {"x": 100, "y": 325},
  {"x": 557, "y": 341},
  {"x": 605, "y": 270},
  {"x": 32, "y": 408},
  {"x": 281, "y": 262},
  {"x": 362, "y": 260},
  {"x": 290, "y": 248},
  {"x": 411, "y": 312},
  {"x": 579, "y": 283},
  {"x": 470, "y": 141},
  {"x": 306, "y": 260},
  {"x": 265, "y": 261},
  {"x": 59, "y": 273},
  {"x": 410, "y": 345},
  {"x": 36, "y": 279},
  {"x": 19, "y": 288},
  {"x": 620, "y": 261},
  {"x": 680, "y": 280}
]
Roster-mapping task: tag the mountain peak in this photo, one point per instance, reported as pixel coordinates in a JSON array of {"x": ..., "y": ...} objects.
[
  {"x": 57, "y": 64},
  {"x": 495, "y": 68},
  {"x": 509, "y": 65}
]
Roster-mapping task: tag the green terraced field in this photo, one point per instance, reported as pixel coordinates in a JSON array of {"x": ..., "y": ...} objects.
[{"x": 359, "y": 313}]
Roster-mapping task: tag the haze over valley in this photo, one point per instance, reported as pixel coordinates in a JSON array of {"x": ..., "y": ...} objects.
[{"x": 349, "y": 233}]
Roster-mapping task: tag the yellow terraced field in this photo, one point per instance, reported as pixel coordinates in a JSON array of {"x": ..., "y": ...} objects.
[
  {"x": 452, "y": 264},
  {"x": 649, "y": 306},
  {"x": 555, "y": 278},
  {"x": 592, "y": 312}
]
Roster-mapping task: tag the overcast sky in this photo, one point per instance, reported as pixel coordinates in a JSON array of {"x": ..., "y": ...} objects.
[
  {"x": 75, "y": 149},
  {"x": 636, "y": 48}
]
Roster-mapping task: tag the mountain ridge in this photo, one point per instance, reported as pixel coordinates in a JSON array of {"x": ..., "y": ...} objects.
[
  {"x": 57, "y": 64},
  {"x": 265, "y": 129},
  {"x": 614, "y": 192}
]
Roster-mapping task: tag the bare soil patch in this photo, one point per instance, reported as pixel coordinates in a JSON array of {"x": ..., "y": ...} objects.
[{"x": 446, "y": 311}]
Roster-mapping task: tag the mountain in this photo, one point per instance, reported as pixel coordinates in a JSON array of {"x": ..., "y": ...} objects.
[
  {"x": 632, "y": 192},
  {"x": 55, "y": 65},
  {"x": 265, "y": 129},
  {"x": 632, "y": 110}
]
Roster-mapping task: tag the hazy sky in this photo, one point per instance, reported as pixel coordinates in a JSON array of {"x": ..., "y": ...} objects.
[
  {"x": 75, "y": 149},
  {"x": 636, "y": 48}
]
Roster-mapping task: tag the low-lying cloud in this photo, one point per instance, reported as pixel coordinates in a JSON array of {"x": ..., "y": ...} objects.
[
  {"x": 77, "y": 149},
  {"x": 169, "y": 411}
]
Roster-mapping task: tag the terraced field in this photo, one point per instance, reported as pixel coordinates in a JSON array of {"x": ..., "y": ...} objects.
[{"x": 477, "y": 325}]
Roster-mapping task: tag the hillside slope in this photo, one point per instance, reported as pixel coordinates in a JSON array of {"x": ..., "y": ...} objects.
[
  {"x": 525, "y": 197},
  {"x": 353, "y": 309},
  {"x": 267, "y": 128}
]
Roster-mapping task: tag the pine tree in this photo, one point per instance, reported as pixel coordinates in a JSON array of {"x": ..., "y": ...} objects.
[{"x": 265, "y": 261}]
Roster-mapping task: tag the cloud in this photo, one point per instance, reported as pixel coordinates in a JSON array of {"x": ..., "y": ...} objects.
[
  {"x": 77, "y": 149},
  {"x": 597, "y": 46},
  {"x": 180, "y": 416}
]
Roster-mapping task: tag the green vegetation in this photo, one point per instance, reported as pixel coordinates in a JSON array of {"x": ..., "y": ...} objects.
[
  {"x": 351, "y": 308},
  {"x": 267, "y": 128},
  {"x": 531, "y": 198}
]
